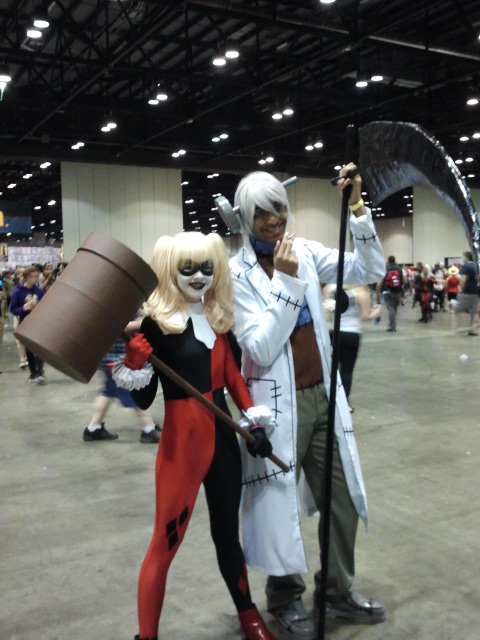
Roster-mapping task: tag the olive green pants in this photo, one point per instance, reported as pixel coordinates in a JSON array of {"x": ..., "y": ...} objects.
[{"x": 312, "y": 408}]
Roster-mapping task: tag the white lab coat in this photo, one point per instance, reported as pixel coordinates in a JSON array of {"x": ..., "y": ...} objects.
[{"x": 266, "y": 312}]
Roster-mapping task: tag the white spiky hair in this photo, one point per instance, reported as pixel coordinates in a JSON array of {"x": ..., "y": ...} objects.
[{"x": 259, "y": 190}]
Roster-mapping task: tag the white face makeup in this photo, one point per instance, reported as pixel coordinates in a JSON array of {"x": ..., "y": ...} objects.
[{"x": 194, "y": 280}]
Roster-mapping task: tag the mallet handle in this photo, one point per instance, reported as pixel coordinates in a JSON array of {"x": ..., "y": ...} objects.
[{"x": 173, "y": 375}]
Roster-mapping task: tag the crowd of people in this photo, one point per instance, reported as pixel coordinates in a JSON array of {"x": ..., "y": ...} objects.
[
  {"x": 21, "y": 288},
  {"x": 267, "y": 303},
  {"x": 453, "y": 288}
]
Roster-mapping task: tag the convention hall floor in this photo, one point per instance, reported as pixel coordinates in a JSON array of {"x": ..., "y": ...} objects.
[{"x": 76, "y": 517}]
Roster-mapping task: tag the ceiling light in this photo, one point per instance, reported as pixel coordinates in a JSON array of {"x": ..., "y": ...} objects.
[
  {"x": 219, "y": 61},
  {"x": 327, "y": 1},
  {"x": 45, "y": 165},
  {"x": 288, "y": 111},
  {"x": 277, "y": 115},
  {"x": 476, "y": 135},
  {"x": 5, "y": 73},
  {"x": 361, "y": 83},
  {"x": 262, "y": 161},
  {"x": 162, "y": 96},
  {"x": 472, "y": 102},
  {"x": 468, "y": 159},
  {"x": 108, "y": 126},
  {"x": 464, "y": 139},
  {"x": 27, "y": 176},
  {"x": 52, "y": 221},
  {"x": 153, "y": 101},
  {"x": 37, "y": 208},
  {"x": 40, "y": 16},
  {"x": 12, "y": 185},
  {"x": 51, "y": 203},
  {"x": 184, "y": 183},
  {"x": 377, "y": 77},
  {"x": 314, "y": 145},
  {"x": 41, "y": 23},
  {"x": 34, "y": 34},
  {"x": 231, "y": 52},
  {"x": 215, "y": 139},
  {"x": 269, "y": 158},
  {"x": 224, "y": 136}
]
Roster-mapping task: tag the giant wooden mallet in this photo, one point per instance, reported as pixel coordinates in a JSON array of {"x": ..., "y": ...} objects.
[{"x": 87, "y": 309}]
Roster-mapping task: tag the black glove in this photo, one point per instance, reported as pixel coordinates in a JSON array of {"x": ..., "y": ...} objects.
[{"x": 262, "y": 445}]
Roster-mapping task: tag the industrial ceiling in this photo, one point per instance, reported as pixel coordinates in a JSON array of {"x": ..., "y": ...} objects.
[{"x": 101, "y": 61}]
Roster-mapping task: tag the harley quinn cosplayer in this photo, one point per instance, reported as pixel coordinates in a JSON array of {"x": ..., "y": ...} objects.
[{"x": 187, "y": 319}]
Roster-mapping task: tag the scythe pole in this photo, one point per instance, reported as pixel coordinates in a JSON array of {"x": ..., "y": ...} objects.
[{"x": 326, "y": 514}]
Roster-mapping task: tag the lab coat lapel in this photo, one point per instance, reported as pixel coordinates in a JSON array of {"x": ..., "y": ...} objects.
[{"x": 256, "y": 275}]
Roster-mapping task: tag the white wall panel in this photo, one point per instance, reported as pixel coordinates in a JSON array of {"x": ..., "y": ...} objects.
[
  {"x": 135, "y": 205},
  {"x": 437, "y": 232},
  {"x": 101, "y": 199},
  {"x": 316, "y": 206},
  {"x": 396, "y": 238},
  {"x": 118, "y": 224},
  {"x": 86, "y": 206}
]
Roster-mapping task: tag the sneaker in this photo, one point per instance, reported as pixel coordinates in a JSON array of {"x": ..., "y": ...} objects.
[
  {"x": 295, "y": 621},
  {"x": 354, "y": 608},
  {"x": 151, "y": 437},
  {"x": 41, "y": 379},
  {"x": 23, "y": 364},
  {"x": 99, "y": 434},
  {"x": 33, "y": 378}
]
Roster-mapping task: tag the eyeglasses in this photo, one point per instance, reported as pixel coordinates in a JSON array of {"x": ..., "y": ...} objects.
[{"x": 273, "y": 227}]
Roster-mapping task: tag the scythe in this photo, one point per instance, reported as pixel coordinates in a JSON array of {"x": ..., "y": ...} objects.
[{"x": 396, "y": 155}]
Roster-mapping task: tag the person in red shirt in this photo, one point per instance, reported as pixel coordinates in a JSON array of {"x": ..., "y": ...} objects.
[{"x": 452, "y": 287}]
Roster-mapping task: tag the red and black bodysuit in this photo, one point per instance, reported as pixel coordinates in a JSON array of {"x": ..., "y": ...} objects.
[{"x": 194, "y": 448}]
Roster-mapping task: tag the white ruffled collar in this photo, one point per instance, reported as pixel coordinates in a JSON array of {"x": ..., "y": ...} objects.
[{"x": 201, "y": 327}]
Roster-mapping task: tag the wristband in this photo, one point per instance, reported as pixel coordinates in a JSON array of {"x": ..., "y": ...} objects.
[{"x": 357, "y": 205}]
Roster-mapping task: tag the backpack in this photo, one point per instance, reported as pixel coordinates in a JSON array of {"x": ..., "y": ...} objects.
[{"x": 393, "y": 279}]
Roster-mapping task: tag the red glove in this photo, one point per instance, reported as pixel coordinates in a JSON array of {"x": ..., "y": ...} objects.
[{"x": 138, "y": 352}]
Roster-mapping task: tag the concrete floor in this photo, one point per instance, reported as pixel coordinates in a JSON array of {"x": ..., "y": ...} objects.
[{"x": 76, "y": 517}]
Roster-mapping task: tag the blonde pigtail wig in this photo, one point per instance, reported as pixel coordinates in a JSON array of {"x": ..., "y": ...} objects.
[{"x": 170, "y": 254}]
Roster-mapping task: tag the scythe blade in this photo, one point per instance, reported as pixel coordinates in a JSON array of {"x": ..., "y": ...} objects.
[{"x": 397, "y": 155}]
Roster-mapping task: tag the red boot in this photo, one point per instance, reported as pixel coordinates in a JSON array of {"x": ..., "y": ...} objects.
[{"x": 254, "y": 626}]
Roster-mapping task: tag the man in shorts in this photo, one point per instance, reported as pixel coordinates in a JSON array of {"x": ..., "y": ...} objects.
[{"x": 468, "y": 294}]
